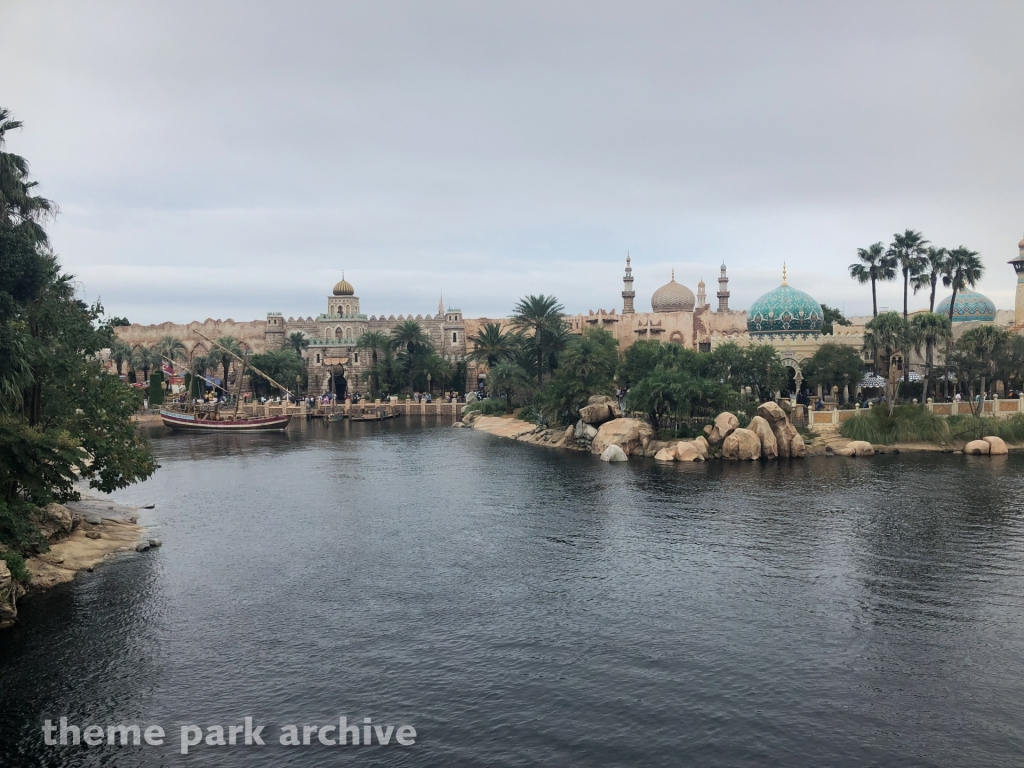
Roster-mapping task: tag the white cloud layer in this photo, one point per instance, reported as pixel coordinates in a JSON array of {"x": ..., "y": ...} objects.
[{"x": 226, "y": 159}]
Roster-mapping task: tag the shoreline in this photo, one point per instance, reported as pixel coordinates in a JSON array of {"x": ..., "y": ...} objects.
[{"x": 85, "y": 534}]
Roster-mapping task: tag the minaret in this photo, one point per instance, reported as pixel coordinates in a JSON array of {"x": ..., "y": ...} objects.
[
  {"x": 702, "y": 298},
  {"x": 440, "y": 305},
  {"x": 723, "y": 290},
  {"x": 1018, "y": 304},
  {"x": 628, "y": 294}
]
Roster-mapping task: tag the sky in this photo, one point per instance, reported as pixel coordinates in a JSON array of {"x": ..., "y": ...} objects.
[{"x": 226, "y": 159}]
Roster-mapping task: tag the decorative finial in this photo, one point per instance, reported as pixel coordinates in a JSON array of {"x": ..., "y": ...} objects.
[
  {"x": 673, "y": 273},
  {"x": 784, "y": 273},
  {"x": 627, "y": 257}
]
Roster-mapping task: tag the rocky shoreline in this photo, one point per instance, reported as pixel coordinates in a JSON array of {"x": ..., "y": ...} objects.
[{"x": 81, "y": 535}]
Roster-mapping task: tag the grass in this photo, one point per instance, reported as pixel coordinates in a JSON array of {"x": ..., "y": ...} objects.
[{"x": 914, "y": 424}]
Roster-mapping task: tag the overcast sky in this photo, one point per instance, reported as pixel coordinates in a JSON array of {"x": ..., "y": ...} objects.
[{"x": 218, "y": 159}]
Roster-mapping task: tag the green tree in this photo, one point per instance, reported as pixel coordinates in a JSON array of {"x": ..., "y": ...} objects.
[
  {"x": 510, "y": 381},
  {"x": 638, "y": 362},
  {"x": 934, "y": 267},
  {"x": 224, "y": 355},
  {"x": 376, "y": 343},
  {"x": 297, "y": 341},
  {"x": 875, "y": 266},
  {"x": 542, "y": 317},
  {"x": 171, "y": 348},
  {"x": 884, "y": 336},
  {"x": 963, "y": 269},
  {"x": 908, "y": 250},
  {"x": 830, "y": 318},
  {"x": 491, "y": 344},
  {"x": 120, "y": 353},
  {"x": 282, "y": 365},
  {"x": 977, "y": 353},
  {"x": 586, "y": 367},
  {"x": 838, "y": 365},
  {"x": 412, "y": 343},
  {"x": 144, "y": 359},
  {"x": 930, "y": 329}
]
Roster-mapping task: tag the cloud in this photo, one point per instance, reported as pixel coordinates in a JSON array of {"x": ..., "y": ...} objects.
[{"x": 231, "y": 159}]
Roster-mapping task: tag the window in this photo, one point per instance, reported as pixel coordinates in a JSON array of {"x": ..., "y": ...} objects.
[
  {"x": 455, "y": 338},
  {"x": 704, "y": 346},
  {"x": 318, "y": 357},
  {"x": 357, "y": 357}
]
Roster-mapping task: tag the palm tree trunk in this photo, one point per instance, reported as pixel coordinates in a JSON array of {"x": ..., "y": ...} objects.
[
  {"x": 906, "y": 290},
  {"x": 540, "y": 357},
  {"x": 874, "y": 298}
]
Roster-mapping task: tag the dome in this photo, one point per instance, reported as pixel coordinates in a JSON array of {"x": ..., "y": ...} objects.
[
  {"x": 344, "y": 288},
  {"x": 784, "y": 310},
  {"x": 970, "y": 305},
  {"x": 673, "y": 297},
  {"x": 1021, "y": 244}
]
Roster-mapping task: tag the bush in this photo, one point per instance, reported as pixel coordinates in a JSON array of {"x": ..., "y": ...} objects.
[
  {"x": 531, "y": 413},
  {"x": 488, "y": 407},
  {"x": 907, "y": 424},
  {"x": 16, "y": 564},
  {"x": 976, "y": 427}
]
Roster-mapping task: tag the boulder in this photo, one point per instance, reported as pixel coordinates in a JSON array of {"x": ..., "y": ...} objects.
[
  {"x": 613, "y": 453},
  {"x": 458, "y": 425},
  {"x": 707, "y": 429},
  {"x": 686, "y": 451},
  {"x": 570, "y": 435},
  {"x": 599, "y": 413},
  {"x": 977, "y": 448},
  {"x": 470, "y": 418},
  {"x": 996, "y": 446},
  {"x": 599, "y": 399},
  {"x": 155, "y": 543},
  {"x": 55, "y": 521},
  {"x": 741, "y": 445},
  {"x": 93, "y": 535},
  {"x": 142, "y": 546},
  {"x": 784, "y": 434},
  {"x": 798, "y": 448},
  {"x": 94, "y": 520},
  {"x": 701, "y": 444},
  {"x": 771, "y": 412},
  {"x": 8, "y": 597},
  {"x": 763, "y": 429},
  {"x": 630, "y": 435},
  {"x": 583, "y": 431},
  {"x": 862, "y": 448},
  {"x": 725, "y": 423},
  {"x": 665, "y": 454}
]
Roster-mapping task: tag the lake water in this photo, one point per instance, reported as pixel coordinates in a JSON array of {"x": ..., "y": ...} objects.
[{"x": 523, "y": 606}]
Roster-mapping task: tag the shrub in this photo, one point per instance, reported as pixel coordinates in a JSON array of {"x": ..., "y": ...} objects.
[
  {"x": 16, "y": 564},
  {"x": 531, "y": 413},
  {"x": 907, "y": 424},
  {"x": 488, "y": 407}
]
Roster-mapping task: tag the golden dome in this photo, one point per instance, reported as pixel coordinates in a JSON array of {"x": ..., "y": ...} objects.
[
  {"x": 1021, "y": 245},
  {"x": 344, "y": 288},
  {"x": 673, "y": 297}
]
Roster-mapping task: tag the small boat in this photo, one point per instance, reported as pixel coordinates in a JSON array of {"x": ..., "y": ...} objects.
[
  {"x": 373, "y": 413},
  {"x": 191, "y": 422},
  {"x": 333, "y": 418}
]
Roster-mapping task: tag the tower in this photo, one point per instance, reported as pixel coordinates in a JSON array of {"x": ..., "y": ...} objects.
[
  {"x": 1018, "y": 304},
  {"x": 723, "y": 290},
  {"x": 628, "y": 293},
  {"x": 702, "y": 297}
]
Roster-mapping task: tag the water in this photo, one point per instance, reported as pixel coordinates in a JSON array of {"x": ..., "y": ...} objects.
[{"x": 521, "y": 606}]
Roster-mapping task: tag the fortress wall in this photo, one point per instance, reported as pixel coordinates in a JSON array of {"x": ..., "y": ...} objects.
[{"x": 250, "y": 332}]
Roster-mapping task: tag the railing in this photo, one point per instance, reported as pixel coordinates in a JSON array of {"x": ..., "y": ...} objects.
[{"x": 994, "y": 408}]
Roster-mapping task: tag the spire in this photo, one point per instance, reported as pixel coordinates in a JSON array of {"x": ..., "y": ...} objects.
[
  {"x": 627, "y": 289},
  {"x": 673, "y": 273},
  {"x": 723, "y": 290},
  {"x": 784, "y": 273},
  {"x": 440, "y": 305}
]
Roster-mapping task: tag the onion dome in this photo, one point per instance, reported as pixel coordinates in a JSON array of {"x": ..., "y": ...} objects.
[
  {"x": 344, "y": 288},
  {"x": 784, "y": 310},
  {"x": 673, "y": 297},
  {"x": 1021, "y": 244},
  {"x": 970, "y": 305}
]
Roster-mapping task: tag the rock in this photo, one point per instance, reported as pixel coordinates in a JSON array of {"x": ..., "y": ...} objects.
[
  {"x": 784, "y": 434},
  {"x": 148, "y": 506},
  {"x": 630, "y": 435},
  {"x": 155, "y": 543},
  {"x": 797, "y": 448},
  {"x": 763, "y": 429},
  {"x": 707, "y": 429},
  {"x": 55, "y": 521},
  {"x": 702, "y": 447},
  {"x": 688, "y": 451},
  {"x": 996, "y": 445},
  {"x": 613, "y": 453},
  {"x": 583, "y": 431},
  {"x": 861, "y": 448},
  {"x": 94, "y": 520},
  {"x": 93, "y": 535},
  {"x": 665, "y": 454},
  {"x": 599, "y": 413},
  {"x": 570, "y": 435},
  {"x": 142, "y": 546},
  {"x": 977, "y": 448},
  {"x": 457, "y": 425},
  {"x": 742, "y": 445},
  {"x": 8, "y": 597},
  {"x": 599, "y": 399},
  {"x": 771, "y": 412},
  {"x": 725, "y": 423}
]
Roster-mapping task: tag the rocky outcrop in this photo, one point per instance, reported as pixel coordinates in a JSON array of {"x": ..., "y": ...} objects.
[
  {"x": 631, "y": 435},
  {"x": 797, "y": 448},
  {"x": 741, "y": 445},
  {"x": 666, "y": 454},
  {"x": 856, "y": 448},
  {"x": 9, "y": 592},
  {"x": 54, "y": 521},
  {"x": 724, "y": 425},
  {"x": 600, "y": 409},
  {"x": 613, "y": 453},
  {"x": 996, "y": 445},
  {"x": 771, "y": 412},
  {"x": 769, "y": 445},
  {"x": 977, "y": 448},
  {"x": 689, "y": 451},
  {"x": 700, "y": 444}
]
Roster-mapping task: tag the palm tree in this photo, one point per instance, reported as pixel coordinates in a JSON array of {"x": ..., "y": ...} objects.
[
  {"x": 908, "y": 250},
  {"x": 120, "y": 353},
  {"x": 171, "y": 348},
  {"x": 984, "y": 345},
  {"x": 374, "y": 341},
  {"x": 930, "y": 328},
  {"x": 875, "y": 266},
  {"x": 297, "y": 340},
  {"x": 491, "y": 344},
  {"x": 409, "y": 337},
  {"x": 508, "y": 379},
  {"x": 17, "y": 203},
  {"x": 963, "y": 268},
  {"x": 934, "y": 268},
  {"x": 223, "y": 358},
  {"x": 437, "y": 369},
  {"x": 538, "y": 314},
  {"x": 888, "y": 333},
  {"x": 144, "y": 359}
]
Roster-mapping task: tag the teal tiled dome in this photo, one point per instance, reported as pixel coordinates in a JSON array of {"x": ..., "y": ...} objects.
[
  {"x": 970, "y": 305},
  {"x": 784, "y": 310}
]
